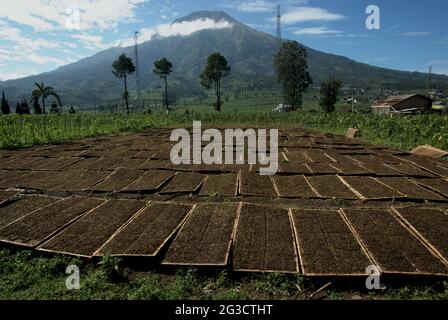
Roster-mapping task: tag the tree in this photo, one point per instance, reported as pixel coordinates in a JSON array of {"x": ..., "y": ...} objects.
[
  {"x": 54, "y": 108},
  {"x": 216, "y": 69},
  {"x": 22, "y": 108},
  {"x": 163, "y": 68},
  {"x": 123, "y": 67},
  {"x": 292, "y": 73},
  {"x": 329, "y": 92},
  {"x": 36, "y": 106},
  {"x": 6, "y": 109},
  {"x": 43, "y": 92}
]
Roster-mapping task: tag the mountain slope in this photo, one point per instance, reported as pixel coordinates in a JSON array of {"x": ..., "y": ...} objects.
[{"x": 249, "y": 52}]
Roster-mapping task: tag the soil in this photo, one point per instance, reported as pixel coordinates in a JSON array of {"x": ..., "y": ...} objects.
[
  {"x": 432, "y": 224},
  {"x": 132, "y": 163},
  {"x": 23, "y": 181},
  {"x": 57, "y": 164},
  {"x": 326, "y": 244},
  {"x": 52, "y": 180},
  {"x": 381, "y": 170},
  {"x": 223, "y": 185},
  {"x": 37, "y": 226},
  {"x": 351, "y": 169},
  {"x": 430, "y": 166},
  {"x": 370, "y": 188},
  {"x": 393, "y": 247},
  {"x": 331, "y": 187},
  {"x": 151, "y": 180},
  {"x": 293, "y": 168},
  {"x": 84, "y": 181},
  {"x": 294, "y": 187},
  {"x": 410, "y": 189},
  {"x": 16, "y": 163},
  {"x": 118, "y": 180},
  {"x": 82, "y": 164},
  {"x": 184, "y": 183},
  {"x": 6, "y": 195},
  {"x": 22, "y": 207},
  {"x": 39, "y": 162},
  {"x": 318, "y": 156},
  {"x": 105, "y": 163},
  {"x": 411, "y": 170},
  {"x": 296, "y": 156},
  {"x": 439, "y": 185},
  {"x": 387, "y": 158},
  {"x": 322, "y": 168},
  {"x": 123, "y": 168},
  {"x": 336, "y": 157},
  {"x": 206, "y": 237},
  {"x": 254, "y": 184},
  {"x": 85, "y": 236},
  {"x": 149, "y": 231},
  {"x": 6, "y": 175},
  {"x": 264, "y": 240}
]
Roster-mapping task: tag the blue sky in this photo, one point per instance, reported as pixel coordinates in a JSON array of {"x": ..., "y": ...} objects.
[{"x": 40, "y": 35}]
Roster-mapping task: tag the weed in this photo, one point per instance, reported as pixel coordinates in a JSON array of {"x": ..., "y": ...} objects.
[{"x": 110, "y": 266}]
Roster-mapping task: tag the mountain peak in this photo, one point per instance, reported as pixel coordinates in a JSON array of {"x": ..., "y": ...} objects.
[{"x": 214, "y": 15}]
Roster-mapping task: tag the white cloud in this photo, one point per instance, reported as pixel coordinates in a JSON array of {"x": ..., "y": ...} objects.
[
  {"x": 16, "y": 47},
  {"x": 308, "y": 14},
  {"x": 262, "y": 6},
  {"x": 437, "y": 62},
  {"x": 15, "y": 75},
  {"x": 14, "y": 36},
  {"x": 258, "y": 6},
  {"x": 184, "y": 28},
  {"x": 42, "y": 59},
  {"x": 382, "y": 59},
  {"x": 316, "y": 31},
  {"x": 91, "y": 41},
  {"x": 416, "y": 34},
  {"x": 44, "y": 15}
]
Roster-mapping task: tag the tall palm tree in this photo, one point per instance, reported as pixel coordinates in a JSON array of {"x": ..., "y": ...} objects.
[{"x": 43, "y": 92}]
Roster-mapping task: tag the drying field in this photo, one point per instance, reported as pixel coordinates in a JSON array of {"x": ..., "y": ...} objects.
[{"x": 335, "y": 207}]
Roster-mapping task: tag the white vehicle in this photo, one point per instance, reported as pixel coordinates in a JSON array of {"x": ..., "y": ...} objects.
[{"x": 283, "y": 108}]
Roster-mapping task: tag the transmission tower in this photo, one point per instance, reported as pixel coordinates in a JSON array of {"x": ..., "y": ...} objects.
[
  {"x": 430, "y": 80},
  {"x": 137, "y": 74},
  {"x": 279, "y": 24}
]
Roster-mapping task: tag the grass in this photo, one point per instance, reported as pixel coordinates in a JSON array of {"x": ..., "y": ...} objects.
[
  {"x": 402, "y": 132},
  {"x": 27, "y": 275}
]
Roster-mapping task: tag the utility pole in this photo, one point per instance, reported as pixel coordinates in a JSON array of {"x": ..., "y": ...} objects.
[{"x": 137, "y": 73}]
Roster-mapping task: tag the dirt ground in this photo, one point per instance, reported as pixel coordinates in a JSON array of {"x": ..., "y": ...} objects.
[{"x": 335, "y": 207}]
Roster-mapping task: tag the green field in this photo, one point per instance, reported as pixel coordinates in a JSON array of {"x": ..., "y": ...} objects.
[{"x": 403, "y": 132}]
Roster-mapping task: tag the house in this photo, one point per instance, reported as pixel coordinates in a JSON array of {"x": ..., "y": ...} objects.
[{"x": 404, "y": 104}]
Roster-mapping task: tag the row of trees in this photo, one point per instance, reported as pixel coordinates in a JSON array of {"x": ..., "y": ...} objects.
[
  {"x": 215, "y": 70},
  {"x": 41, "y": 93},
  {"x": 292, "y": 73},
  {"x": 290, "y": 63}
]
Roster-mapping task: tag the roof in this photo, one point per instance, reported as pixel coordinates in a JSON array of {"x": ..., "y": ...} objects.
[{"x": 394, "y": 100}]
